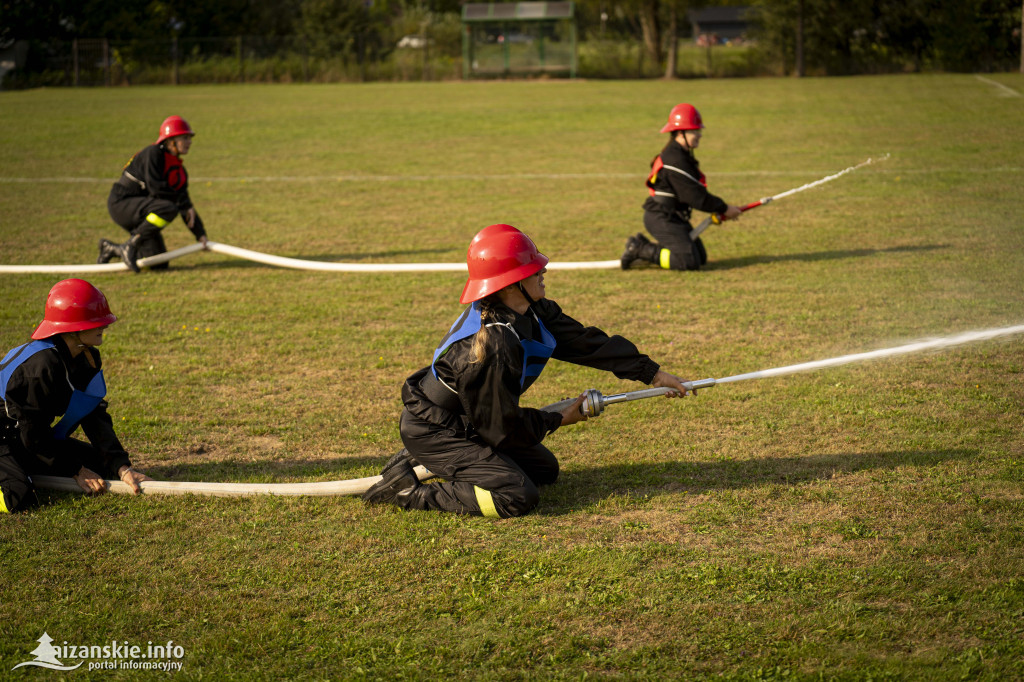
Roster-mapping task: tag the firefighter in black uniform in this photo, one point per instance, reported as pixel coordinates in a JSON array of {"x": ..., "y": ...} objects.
[
  {"x": 151, "y": 192},
  {"x": 676, "y": 187},
  {"x": 58, "y": 374},
  {"x": 462, "y": 418}
]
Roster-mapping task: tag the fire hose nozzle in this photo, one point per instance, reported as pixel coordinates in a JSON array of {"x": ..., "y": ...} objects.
[
  {"x": 594, "y": 402},
  {"x": 701, "y": 383}
]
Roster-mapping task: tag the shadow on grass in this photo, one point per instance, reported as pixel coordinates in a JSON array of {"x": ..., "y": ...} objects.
[
  {"x": 588, "y": 486},
  {"x": 730, "y": 263}
]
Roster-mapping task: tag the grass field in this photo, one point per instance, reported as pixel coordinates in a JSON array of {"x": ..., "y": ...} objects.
[{"x": 864, "y": 522}]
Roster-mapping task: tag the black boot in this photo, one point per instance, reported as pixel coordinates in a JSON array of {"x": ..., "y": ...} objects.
[
  {"x": 631, "y": 253},
  {"x": 639, "y": 247},
  {"x": 397, "y": 480},
  {"x": 108, "y": 250},
  {"x": 397, "y": 459},
  {"x": 129, "y": 252}
]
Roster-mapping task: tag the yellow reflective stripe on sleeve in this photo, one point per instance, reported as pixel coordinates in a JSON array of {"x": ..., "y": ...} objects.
[
  {"x": 486, "y": 502},
  {"x": 666, "y": 259},
  {"x": 154, "y": 219}
]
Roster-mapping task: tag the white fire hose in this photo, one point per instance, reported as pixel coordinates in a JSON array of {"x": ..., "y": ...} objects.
[
  {"x": 355, "y": 486},
  {"x": 593, "y": 406},
  {"x": 282, "y": 262}
]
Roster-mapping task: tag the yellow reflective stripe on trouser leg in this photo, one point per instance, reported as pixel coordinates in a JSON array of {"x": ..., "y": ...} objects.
[
  {"x": 486, "y": 502},
  {"x": 3, "y": 504},
  {"x": 665, "y": 258},
  {"x": 154, "y": 219}
]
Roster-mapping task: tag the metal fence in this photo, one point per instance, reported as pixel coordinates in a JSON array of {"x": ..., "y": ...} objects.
[
  {"x": 237, "y": 59},
  {"x": 436, "y": 55}
]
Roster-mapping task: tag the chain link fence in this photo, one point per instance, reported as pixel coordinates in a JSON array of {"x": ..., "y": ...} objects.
[
  {"x": 238, "y": 59},
  {"x": 432, "y": 54}
]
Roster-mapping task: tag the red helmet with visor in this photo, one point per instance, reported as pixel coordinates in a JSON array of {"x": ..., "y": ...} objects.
[
  {"x": 683, "y": 117},
  {"x": 498, "y": 256},
  {"x": 73, "y": 305},
  {"x": 172, "y": 127}
]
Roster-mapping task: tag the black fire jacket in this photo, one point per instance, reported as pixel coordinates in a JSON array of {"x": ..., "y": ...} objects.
[
  {"x": 684, "y": 183},
  {"x": 489, "y": 390},
  {"x": 37, "y": 393},
  {"x": 157, "y": 173}
]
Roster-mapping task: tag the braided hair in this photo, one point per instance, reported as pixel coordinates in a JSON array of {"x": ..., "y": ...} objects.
[{"x": 488, "y": 313}]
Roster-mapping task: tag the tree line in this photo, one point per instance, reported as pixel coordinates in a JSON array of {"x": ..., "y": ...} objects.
[{"x": 826, "y": 37}]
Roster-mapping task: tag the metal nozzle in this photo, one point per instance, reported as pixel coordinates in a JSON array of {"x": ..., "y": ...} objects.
[{"x": 594, "y": 402}]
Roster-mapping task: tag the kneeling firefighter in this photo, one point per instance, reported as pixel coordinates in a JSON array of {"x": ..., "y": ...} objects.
[
  {"x": 151, "y": 192},
  {"x": 675, "y": 187},
  {"x": 59, "y": 374},
  {"x": 462, "y": 419}
]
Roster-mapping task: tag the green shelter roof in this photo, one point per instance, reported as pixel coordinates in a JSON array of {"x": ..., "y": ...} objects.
[{"x": 516, "y": 11}]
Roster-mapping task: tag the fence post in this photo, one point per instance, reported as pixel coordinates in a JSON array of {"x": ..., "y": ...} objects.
[
  {"x": 241, "y": 61},
  {"x": 108, "y": 77},
  {"x": 424, "y": 75},
  {"x": 305, "y": 60},
  {"x": 74, "y": 61},
  {"x": 573, "y": 65},
  {"x": 361, "y": 56},
  {"x": 174, "y": 59},
  {"x": 506, "y": 51}
]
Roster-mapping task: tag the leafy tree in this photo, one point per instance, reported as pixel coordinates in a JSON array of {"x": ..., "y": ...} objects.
[
  {"x": 974, "y": 35},
  {"x": 860, "y": 36},
  {"x": 347, "y": 28},
  {"x": 35, "y": 19}
]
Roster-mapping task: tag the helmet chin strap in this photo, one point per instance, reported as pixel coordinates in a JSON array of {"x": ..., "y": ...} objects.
[
  {"x": 522, "y": 290},
  {"x": 686, "y": 142}
]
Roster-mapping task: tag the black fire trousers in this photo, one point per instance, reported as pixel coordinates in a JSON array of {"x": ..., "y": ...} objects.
[
  {"x": 478, "y": 480},
  {"x": 674, "y": 234},
  {"x": 16, "y": 467},
  {"x": 131, "y": 214}
]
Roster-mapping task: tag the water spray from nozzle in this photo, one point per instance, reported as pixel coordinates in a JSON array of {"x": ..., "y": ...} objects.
[{"x": 595, "y": 402}]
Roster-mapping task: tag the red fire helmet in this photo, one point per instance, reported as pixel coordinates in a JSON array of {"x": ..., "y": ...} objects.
[
  {"x": 73, "y": 305},
  {"x": 683, "y": 117},
  {"x": 172, "y": 127},
  {"x": 498, "y": 256}
]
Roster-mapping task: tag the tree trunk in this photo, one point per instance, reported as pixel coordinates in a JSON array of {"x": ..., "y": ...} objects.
[
  {"x": 1022, "y": 37},
  {"x": 799, "y": 73},
  {"x": 651, "y": 30},
  {"x": 673, "y": 44}
]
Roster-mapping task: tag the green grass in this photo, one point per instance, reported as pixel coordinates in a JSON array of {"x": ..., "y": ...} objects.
[{"x": 863, "y": 522}]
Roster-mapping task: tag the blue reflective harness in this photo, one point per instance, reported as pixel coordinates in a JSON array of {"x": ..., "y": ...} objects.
[
  {"x": 535, "y": 353},
  {"x": 82, "y": 403}
]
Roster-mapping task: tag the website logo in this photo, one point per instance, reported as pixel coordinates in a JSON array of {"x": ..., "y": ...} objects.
[
  {"x": 114, "y": 656},
  {"x": 46, "y": 656}
]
